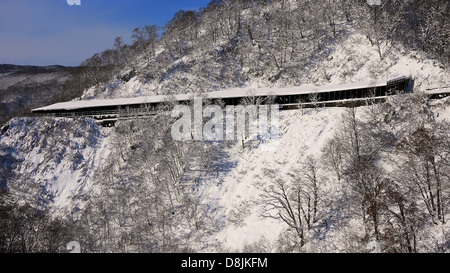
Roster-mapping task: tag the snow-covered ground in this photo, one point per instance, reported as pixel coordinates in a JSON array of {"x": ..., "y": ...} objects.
[
  {"x": 239, "y": 193},
  {"x": 60, "y": 155},
  {"x": 350, "y": 61},
  {"x": 355, "y": 60}
]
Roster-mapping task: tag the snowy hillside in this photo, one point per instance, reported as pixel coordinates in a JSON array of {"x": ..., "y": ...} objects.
[
  {"x": 65, "y": 162},
  {"x": 356, "y": 60},
  {"x": 338, "y": 180},
  {"x": 58, "y": 155},
  {"x": 240, "y": 195},
  {"x": 240, "y": 191},
  {"x": 350, "y": 61}
]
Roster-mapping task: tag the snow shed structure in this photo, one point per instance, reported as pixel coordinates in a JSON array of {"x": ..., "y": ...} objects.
[{"x": 107, "y": 111}]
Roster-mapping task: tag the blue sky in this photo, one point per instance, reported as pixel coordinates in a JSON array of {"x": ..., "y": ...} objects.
[{"x": 47, "y": 32}]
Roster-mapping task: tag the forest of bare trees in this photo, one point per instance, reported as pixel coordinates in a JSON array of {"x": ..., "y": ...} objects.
[
  {"x": 393, "y": 170},
  {"x": 390, "y": 161},
  {"x": 230, "y": 42}
]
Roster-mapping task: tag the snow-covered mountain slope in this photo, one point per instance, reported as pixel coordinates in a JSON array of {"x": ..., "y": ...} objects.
[
  {"x": 14, "y": 75},
  {"x": 352, "y": 60},
  {"x": 355, "y": 60},
  {"x": 59, "y": 155},
  {"x": 62, "y": 156},
  {"x": 240, "y": 191}
]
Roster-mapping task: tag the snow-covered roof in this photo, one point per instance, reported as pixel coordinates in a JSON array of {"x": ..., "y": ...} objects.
[{"x": 229, "y": 93}]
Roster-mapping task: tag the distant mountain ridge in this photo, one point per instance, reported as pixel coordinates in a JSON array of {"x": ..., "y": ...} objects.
[
  {"x": 23, "y": 87},
  {"x": 17, "y": 69}
]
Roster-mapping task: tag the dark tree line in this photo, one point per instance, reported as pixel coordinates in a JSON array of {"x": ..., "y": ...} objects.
[{"x": 25, "y": 228}]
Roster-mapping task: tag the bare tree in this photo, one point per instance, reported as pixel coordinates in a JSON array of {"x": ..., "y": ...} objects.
[
  {"x": 369, "y": 184},
  {"x": 406, "y": 218},
  {"x": 120, "y": 46},
  {"x": 314, "y": 99},
  {"x": 283, "y": 202},
  {"x": 425, "y": 171},
  {"x": 333, "y": 156},
  {"x": 298, "y": 204}
]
